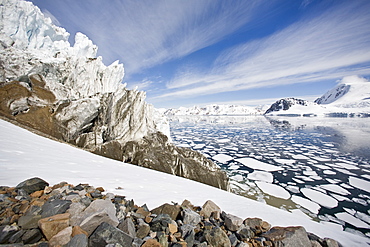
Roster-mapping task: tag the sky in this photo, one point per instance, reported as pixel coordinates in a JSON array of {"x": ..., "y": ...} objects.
[{"x": 199, "y": 52}]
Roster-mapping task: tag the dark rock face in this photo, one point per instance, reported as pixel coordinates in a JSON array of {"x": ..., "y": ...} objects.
[
  {"x": 31, "y": 185},
  {"x": 288, "y": 236},
  {"x": 108, "y": 234},
  {"x": 154, "y": 152},
  {"x": 285, "y": 104}
]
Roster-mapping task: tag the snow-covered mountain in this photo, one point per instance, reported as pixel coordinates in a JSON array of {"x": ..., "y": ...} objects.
[
  {"x": 215, "y": 110},
  {"x": 24, "y": 155},
  {"x": 66, "y": 92},
  {"x": 350, "y": 98}
]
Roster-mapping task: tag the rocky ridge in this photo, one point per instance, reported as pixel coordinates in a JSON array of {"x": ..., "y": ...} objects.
[
  {"x": 66, "y": 92},
  {"x": 36, "y": 214}
]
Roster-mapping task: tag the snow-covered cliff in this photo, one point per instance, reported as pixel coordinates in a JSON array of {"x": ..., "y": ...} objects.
[
  {"x": 216, "y": 110},
  {"x": 350, "y": 98},
  {"x": 68, "y": 93}
]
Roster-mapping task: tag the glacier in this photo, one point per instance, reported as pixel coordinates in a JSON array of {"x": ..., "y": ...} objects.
[{"x": 66, "y": 92}]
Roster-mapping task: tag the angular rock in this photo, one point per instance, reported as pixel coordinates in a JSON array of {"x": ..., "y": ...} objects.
[
  {"x": 208, "y": 208},
  {"x": 52, "y": 225},
  {"x": 17, "y": 237},
  {"x": 245, "y": 233},
  {"x": 61, "y": 238},
  {"x": 54, "y": 207},
  {"x": 172, "y": 210},
  {"x": 33, "y": 184},
  {"x": 128, "y": 227},
  {"x": 160, "y": 223},
  {"x": 257, "y": 225},
  {"x": 232, "y": 222},
  {"x": 79, "y": 240},
  {"x": 188, "y": 234},
  {"x": 107, "y": 234},
  {"x": 151, "y": 243},
  {"x": 6, "y": 232},
  {"x": 217, "y": 237},
  {"x": 331, "y": 242},
  {"x": 142, "y": 230},
  {"x": 75, "y": 210},
  {"x": 29, "y": 221},
  {"x": 137, "y": 242},
  {"x": 288, "y": 236},
  {"x": 233, "y": 239},
  {"x": 77, "y": 230},
  {"x": 31, "y": 236},
  {"x": 190, "y": 217},
  {"x": 98, "y": 212}
]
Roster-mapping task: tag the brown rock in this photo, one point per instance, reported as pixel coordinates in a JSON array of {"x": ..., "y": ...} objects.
[
  {"x": 208, "y": 208},
  {"x": 172, "y": 228},
  {"x": 50, "y": 226},
  {"x": 37, "y": 194},
  {"x": 61, "y": 238},
  {"x": 100, "y": 189},
  {"x": 172, "y": 210},
  {"x": 143, "y": 212},
  {"x": 78, "y": 230},
  {"x": 294, "y": 236},
  {"x": 37, "y": 202},
  {"x": 151, "y": 243}
]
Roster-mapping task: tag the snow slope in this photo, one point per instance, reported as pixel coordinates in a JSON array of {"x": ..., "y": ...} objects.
[{"x": 24, "y": 155}]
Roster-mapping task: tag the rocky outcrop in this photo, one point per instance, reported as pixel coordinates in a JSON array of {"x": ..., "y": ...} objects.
[
  {"x": 122, "y": 223},
  {"x": 285, "y": 104},
  {"x": 66, "y": 92}
]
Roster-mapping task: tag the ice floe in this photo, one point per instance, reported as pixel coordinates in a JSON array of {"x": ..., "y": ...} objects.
[
  {"x": 261, "y": 176},
  {"x": 273, "y": 189},
  {"x": 258, "y": 165},
  {"x": 335, "y": 188},
  {"x": 310, "y": 205},
  {"x": 222, "y": 158},
  {"x": 359, "y": 183},
  {"x": 352, "y": 220},
  {"x": 320, "y": 198}
]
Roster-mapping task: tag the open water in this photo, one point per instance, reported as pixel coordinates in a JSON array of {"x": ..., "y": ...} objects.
[{"x": 316, "y": 167}]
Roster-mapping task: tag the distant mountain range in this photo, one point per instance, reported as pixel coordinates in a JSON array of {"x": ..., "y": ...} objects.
[{"x": 350, "y": 98}]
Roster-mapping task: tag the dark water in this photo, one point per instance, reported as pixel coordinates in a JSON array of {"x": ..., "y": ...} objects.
[{"x": 319, "y": 167}]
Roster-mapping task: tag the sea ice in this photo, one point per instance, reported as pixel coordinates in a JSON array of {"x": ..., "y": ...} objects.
[
  {"x": 222, "y": 158},
  {"x": 352, "y": 220},
  {"x": 261, "y": 176},
  {"x": 329, "y": 172},
  {"x": 273, "y": 189},
  {"x": 348, "y": 166},
  {"x": 310, "y": 205},
  {"x": 335, "y": 188},
  {"x": 285, "y": 161},
  {"x": 299, "y": 157},
  {"x": 258, "y": 165},
  {"x": 320, "y": 198},
  {"x": 359, "y": 183}
]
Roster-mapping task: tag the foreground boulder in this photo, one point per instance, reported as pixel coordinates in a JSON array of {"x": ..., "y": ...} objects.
[{"x": 112, "y": 220}]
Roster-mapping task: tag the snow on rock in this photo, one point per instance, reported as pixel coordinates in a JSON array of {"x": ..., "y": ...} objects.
[
  {"x": 351, "y": 97},
  {"x": 68, "y": 93}
]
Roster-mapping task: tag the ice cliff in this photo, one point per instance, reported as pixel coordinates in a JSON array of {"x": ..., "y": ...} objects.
[{"x": 68, "y": 93}]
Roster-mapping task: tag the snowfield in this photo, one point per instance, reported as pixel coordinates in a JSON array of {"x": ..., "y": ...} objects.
[{"x": 24, "y": 155}]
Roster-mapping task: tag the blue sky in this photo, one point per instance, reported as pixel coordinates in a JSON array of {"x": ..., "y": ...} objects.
[{"x": 198, "y": 52}]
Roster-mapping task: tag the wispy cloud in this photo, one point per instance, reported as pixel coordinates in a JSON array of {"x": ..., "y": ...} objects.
[
  {"x": 148, "y": 33},
  {"x": 331, "y": 45}
]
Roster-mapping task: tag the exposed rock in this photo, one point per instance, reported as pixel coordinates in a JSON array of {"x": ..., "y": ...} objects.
[
  {"x": 232, "y": 222},
  {"x": 208, "y": 208},
  {"x": 127, "y": 226},
  {"x": 99, "y": 211},
  {"x": 79, "y": 240},
  {"x": 217, "y": 237},
  {"x": 188, "y": 234},
  {"x": 6, "y": 232},
  {"x": 257, "y": 225},
  {"x": 29, "y": 221},
  {"x": 172, "y": 210},
  {"x": 52, "y": 225},
  {"x": 61, "y": 238},
  {"x": 151, "y": 243},
  {"x": 108, "y": 234},
  {"x": 54, "y": 207},
  {"x": 31, "y": 236},
  {"x": 31, "y": 185},
  {"x": 190, "y": 217},
  {"x": 288, "y": 236},
  {"x": 245, "y": 233}
]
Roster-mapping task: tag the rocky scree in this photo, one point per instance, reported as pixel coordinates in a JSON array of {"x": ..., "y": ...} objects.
[{"x": 36, "y": 214}]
